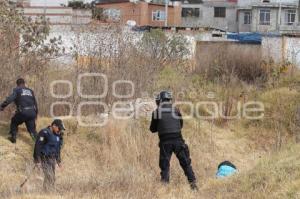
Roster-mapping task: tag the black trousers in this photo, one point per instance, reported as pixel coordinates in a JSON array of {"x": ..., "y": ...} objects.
[
  {"x": 29, "y": 117},
  {"x": 182, "y": 153},
  {"x": 48, "y": 166}
]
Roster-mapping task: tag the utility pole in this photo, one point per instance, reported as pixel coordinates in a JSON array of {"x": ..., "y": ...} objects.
[
  {"x": 279, "y": 17},
  {"x": 166, "y": 12},
  {"x": 45, "y": 7},
  {"x": 299, "y": 12}
]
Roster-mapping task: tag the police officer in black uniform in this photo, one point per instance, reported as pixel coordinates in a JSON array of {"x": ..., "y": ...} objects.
[
  {"x": 27, "y": 110},
  {"x": 167, "y": 121},
  {"x": 47, "y": 152}
]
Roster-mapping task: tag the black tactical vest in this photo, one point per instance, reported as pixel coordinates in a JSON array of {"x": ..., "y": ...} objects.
[
  {"x": 168, "y": 119},
  {"x": 25, "y": 98}
]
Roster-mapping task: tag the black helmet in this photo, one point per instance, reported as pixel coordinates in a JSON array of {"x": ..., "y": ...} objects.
[{"x": 165, "y": 96}]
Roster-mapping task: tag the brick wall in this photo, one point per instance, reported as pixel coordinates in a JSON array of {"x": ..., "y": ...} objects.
[{"x": 141, "y": 12}]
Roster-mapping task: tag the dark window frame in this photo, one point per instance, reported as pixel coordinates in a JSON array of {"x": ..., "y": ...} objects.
[
  {"x": 190, "y": 12},
  {"x": 247, "y": 17},
  {"x": 290, "y": 16},
  {"x": 220, "y": 12}
]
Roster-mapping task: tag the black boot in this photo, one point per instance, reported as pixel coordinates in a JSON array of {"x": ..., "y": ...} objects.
[
  {"x": 164, "y": 181},
  {"x": 194, "y": 186},
  {"x": 12, "y": 139}
]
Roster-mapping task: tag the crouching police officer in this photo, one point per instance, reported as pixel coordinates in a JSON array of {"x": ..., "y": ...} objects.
[
  {"x": 27, "y": 110},
  {"x": 47, "y": 152},
  {"x": 167, "y": 121}
]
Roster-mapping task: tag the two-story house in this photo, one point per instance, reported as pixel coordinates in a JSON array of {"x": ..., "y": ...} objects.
[
  {"x": 140, "y": 12},
  {"x": 280, "y": 16}
]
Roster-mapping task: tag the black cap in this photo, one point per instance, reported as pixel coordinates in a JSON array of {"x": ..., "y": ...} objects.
[{"x": 59, "y": 123}]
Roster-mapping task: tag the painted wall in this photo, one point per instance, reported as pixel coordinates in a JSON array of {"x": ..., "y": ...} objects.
[{"x": 282, "y": 49}]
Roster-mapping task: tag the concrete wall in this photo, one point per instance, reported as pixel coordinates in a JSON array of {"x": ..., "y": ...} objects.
[
  {"x": 59, "y": 15},
  {"x": 55, "y": 15},
  {"x": 272, "y": 49},
  {"x": 206, "y": 51},
  {"x": 282, "y": 49},
  {"x": 292, "y": 50},
  {"x": 48, "y": 2},
  {"x": 81, "y": 16},
  {"x": 53, "y": 2}
]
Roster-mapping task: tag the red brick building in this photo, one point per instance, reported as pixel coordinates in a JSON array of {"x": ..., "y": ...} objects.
[{"x": 143, "y": 13}]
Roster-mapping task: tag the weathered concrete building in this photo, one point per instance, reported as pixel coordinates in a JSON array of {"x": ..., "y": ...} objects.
[
  {"x": 280, "y": 16},
  {"x": 219, "y": 14}
]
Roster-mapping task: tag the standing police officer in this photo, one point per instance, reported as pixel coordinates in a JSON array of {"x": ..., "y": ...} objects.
[
  {"x": 47, "y": 152},
  {"x": 27, "y": 110},
  {"x": 167, "y": 121}
]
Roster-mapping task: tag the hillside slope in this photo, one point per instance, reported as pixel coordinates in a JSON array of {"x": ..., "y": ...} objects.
[{"x": 120, "y": 160}]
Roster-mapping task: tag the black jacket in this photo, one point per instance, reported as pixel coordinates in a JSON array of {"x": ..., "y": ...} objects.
[
  {"x": 48, "y": 144},
  {"x": 23, "y": 98}
]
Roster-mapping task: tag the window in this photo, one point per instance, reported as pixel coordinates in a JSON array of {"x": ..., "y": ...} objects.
[
  {"x": 190, "y": 12},
  {"x": 264, "y": 17},
  {"x": 220, "y": 12},
  {"x": 290, "y": 17},
  {"x": 158, "y": 15},
  {"x": 112, "y": 14},
  {"x": 247, "y": 17}
]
